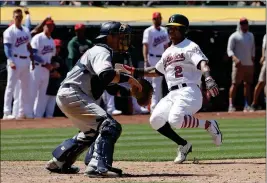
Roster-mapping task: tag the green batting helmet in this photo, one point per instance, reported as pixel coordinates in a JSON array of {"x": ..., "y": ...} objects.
[{"x": 178, "y": 20}]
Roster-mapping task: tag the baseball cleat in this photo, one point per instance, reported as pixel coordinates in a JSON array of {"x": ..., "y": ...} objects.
[
  {"x": 52, "y": 167},
  {"x": 182, "y": 153},
  {"x": 8, "y": 117},
  {"x": 94, "y": 172},
  {"x": 231, "y": 109},
  {"x": 215, "y": 132}
]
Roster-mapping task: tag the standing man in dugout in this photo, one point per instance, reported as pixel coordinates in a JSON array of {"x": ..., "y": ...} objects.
[
  {"x": 241, "y": 48},
  {"x": 155, "y": 41},
  {"x": 78, "y": 45}
]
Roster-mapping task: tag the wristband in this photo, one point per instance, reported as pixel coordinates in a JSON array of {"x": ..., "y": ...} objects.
[{"x": 206, "y": 74}]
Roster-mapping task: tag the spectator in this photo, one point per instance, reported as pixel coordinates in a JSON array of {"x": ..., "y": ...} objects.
[
  {"x": 71, "y": 3},
  {"x": 56, "y": 77},
  {"x": 77, "y": 45},
  {"x": 241, "y": 48},
  {"x": 262, "y": 77}
]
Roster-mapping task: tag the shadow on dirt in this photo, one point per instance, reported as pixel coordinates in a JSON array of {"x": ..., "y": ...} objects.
[
  {"x": 126, "y": 175},
  {"x": 232, "y": 163}
]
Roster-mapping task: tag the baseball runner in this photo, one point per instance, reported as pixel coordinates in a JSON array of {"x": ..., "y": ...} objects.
[
  {"x": 182, "y": 64},
  {"x": 77, "y": 96},
  {"x": 16, "y": 46},
  {"x": 155, "y": 41},
  {"x": 43, "y": 49}
]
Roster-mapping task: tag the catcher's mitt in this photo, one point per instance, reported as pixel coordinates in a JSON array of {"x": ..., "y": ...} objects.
[{"x": 143, "y": 97}]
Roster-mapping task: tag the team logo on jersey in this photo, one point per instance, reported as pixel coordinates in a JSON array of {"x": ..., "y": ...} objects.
[
  {"x": 21, "y": 40},
  {"x": 159, "y": 40},
  {"x": 196, "y": 50},
  {"x": 47, "y": 49},
  {"x": 169, "y": 59}
]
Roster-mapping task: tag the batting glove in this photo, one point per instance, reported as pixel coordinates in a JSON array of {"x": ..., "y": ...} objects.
[{"x": 212, "y": 87}]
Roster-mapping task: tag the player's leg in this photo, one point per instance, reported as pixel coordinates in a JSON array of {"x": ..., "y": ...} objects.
[
  {"x": 248, "y": 79},
  {"x": 16, "y": 96},
  {"x": 50, "y": 106},
  {"x": 237, "y": 75},
  {"x": 34, "y": 85},
  {"x": 259, "y": 87},
  {"x": 187, "y": 101},
  {"x": 159, "y": 121},
  {"x": 157, "y": 95},
  {"x": 12, "y": 77},
  {"x": 41, "y": 97}
]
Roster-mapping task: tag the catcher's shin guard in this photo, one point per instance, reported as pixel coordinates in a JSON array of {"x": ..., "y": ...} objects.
[
  {"x": 69, "y": 150},
  {"x": 102, "y": 157}
]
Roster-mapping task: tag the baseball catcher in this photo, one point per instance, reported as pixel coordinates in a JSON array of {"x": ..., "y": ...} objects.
[{"x": 84, "y": 84}]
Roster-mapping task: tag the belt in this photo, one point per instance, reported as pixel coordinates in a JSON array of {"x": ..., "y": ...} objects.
[
  {"x": 175, "y": 87},
  {"x": 42, "y": 65},
  {"x": 19, "y": 56},
  {"x": 154, "y": 55}
]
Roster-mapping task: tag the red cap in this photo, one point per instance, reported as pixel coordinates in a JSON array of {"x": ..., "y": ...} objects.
[
  {"x": 49, "y": 22},
  {"x": 156, "y": 15},
  {"x": 79, "y": 26},
  {"x": 243, "y": 20},
  {"x": 57, "y": 42}
]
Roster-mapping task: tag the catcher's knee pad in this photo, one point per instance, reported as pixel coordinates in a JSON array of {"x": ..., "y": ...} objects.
[
  {"x": 101, "y": 154},
  {"x": 176, "y": 120},
  {"x": 156, "y": 121},
  {"x": 69, "y": 150}
]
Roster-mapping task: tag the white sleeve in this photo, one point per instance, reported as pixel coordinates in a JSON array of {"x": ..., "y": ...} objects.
[
  {"x": 8, "y": 38},
  {"x": 196, "y": 55},
  {"x": 35, "y": 42},
  {"x": 160, "y": 67},
  {"x": 101, "y": 62},
  {"x": 264, "y": 42},
  {"x": 145, "y": 36}
]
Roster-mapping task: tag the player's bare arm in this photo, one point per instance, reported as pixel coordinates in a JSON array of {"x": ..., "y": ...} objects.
[
  {"x": 211, "y": 85},
  {"x": 139, "y": 72},
  {"x": 145, "y": 54},
  {"x": 29, "y": 47},
  {"x": 39, "y": 27}
]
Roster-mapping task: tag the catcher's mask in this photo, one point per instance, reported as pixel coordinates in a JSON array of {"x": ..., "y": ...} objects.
[{"x": 121, "y": 34}]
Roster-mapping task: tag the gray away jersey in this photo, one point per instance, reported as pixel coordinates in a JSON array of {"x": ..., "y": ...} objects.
[{"x": 92, "y": 63}]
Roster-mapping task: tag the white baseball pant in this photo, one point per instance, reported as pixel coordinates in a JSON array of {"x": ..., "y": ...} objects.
[
  {"x": 173, "y": 107},
  {"x": 156, "y": 83},
  {"x": 21, "y": 73},
  {"x": 109, "y": 102},
  {"x": 50, "y": 104},
  {"x": 39, "y": 83},
  {"x": 16, "y": 97}
]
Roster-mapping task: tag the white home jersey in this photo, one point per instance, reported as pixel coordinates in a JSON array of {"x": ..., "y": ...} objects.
[
  {"x": 92, "y": 63},
  {"x": 179, "y": 63},
  {"x": 45, "y": 46},
  {"x": 156, "y": 39},
  {"x": 264, "y": 43},
  {"x": 18, "y": 38}
]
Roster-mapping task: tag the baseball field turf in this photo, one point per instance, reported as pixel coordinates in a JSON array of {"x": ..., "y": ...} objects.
[{"x": 243, "y": 138}]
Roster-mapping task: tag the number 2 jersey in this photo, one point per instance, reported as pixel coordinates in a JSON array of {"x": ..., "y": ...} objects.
[{"x": 179, "y": 63}]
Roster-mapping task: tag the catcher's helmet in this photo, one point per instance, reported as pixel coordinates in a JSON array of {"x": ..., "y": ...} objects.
[{"x": 112, "y": 28}]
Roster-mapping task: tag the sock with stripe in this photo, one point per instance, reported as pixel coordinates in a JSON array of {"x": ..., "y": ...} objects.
[
  {"x": 192, "y": 122},
  {"x": 168, "y": 132}
]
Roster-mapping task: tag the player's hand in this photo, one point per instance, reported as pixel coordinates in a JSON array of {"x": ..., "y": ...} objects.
[
  {"x": 55, "y": 74},
  {"x": 49, "y": 66},
  {"x": 212, "y": 87},
  {"x": 33, "y": 66},
  {"x": 146, "y": 64},
  {"x": 262, "y": 60},
  {"x": 12, "y": 65},
  {"x": 135, "y": 84},
  {"x": 237, "y": 63},
  {"x": 26, "y": 11},
  {"x": 125, "y": 68}
]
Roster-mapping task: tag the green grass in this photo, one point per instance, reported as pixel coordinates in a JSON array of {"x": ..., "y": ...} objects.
[{"x": 242, "y": 139}]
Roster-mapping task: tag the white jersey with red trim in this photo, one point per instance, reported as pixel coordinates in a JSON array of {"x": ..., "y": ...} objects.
[{"x": 179, "y": 63}]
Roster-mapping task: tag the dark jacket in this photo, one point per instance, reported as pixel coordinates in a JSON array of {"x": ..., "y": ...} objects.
[{"x": 54, "y": 83}]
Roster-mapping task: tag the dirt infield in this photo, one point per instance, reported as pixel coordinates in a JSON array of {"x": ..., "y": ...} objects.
[{"x": 219, "y": 171}]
